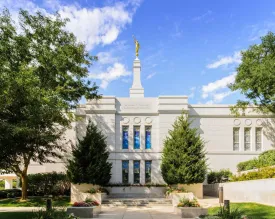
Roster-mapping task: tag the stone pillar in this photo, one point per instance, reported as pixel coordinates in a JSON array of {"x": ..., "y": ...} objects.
[
  {"x": 8, "y": 183},
  {"x": 142, "y": 172},
  {"x": 136, "y": 90},
  {"x": 131, "y": 171}
]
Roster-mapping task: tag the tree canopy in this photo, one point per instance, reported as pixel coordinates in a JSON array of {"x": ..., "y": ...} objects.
[
  {"x": 43, "y": 72},
  {"x": 183, "y": 158},
  {"x": 89, "y": 163},
  {"x": 256, "y": 76}
]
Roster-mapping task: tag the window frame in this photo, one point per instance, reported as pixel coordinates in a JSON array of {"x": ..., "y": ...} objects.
[
  {"x": 245, "y": 142},
  {"x": 145, "y": 145},
  {"x": 123, "y": 137},
  {"x": 234, "y": 142}
]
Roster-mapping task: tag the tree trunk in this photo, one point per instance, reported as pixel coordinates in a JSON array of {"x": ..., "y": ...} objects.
[{"x": 24, "y": 180}]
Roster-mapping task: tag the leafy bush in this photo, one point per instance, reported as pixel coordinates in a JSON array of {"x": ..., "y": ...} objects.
[
  {"x": 134, "y": 185},
  {"x": 2, "y": 184},
  {"x": 175, "y": 190},
  {"x": 185, "y": 202},
  {"x": 219, "y": 176},
  {"x": 54, "y": 183},
  {"x": 52, "y": 214},
  {"x": 262, "y": 173},
  {"x": 10, "y": 193},
  {"x": 265, "y": 159},
  {"x": 86, "y": 203}
]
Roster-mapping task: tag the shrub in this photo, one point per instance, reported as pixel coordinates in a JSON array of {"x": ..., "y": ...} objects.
[
  {"x": 183, "y": 158},
  {"x": 52, "y": 214},
  {"x": 54, "y": 183},
  {"x": 219, "y": 176},
  {"x": 86, "y": 203},
  {"x": 265, "y": 159},
  {"x": 262, "y": 173},
  {"x": 185, "y": 202},
  {"x": 10, "y": 193},
  {"x": 175, "y": 190},
  {"x": 2, "y": 184}
]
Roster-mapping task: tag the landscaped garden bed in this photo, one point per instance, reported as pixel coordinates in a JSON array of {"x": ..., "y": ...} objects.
[
  {"x": 190, "y": 208},
  {"x": 87, "y": 209}
]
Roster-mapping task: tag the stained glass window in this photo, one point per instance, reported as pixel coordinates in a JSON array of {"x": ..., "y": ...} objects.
[
  {"x": 125, "y": 171},
  {"x": 136, "y": 171},
  {"x": 247, "y": 139},
  {"x": 258, "y": 139},
  {"x": 125, "y": 141},
  {"x": 148, "y": 137},
  {"x": 136, "y": 137},
  {"x": 148, "y": 164},
  {"x": 236, "y": 139}
]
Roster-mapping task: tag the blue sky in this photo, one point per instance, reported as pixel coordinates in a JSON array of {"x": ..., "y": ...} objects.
[{"x": 187, "y": 47}]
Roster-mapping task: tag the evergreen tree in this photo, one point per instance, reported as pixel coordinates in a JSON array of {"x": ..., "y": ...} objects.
[
  {"x": 183, "y": 158},
  {"x": 89, "y": 162}
]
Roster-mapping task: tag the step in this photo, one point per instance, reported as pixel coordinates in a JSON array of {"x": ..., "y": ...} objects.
[
  {"x": 136, "y": 202},
  {"x": 135, "y": 195}
]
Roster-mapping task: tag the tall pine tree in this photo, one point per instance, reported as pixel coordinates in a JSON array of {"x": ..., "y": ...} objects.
[
  {"x": 89, "y": 163},
  {"x": 183, "y": 158}
]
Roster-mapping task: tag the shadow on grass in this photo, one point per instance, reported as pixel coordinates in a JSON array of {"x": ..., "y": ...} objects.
[{"x": 15, "y": 215}]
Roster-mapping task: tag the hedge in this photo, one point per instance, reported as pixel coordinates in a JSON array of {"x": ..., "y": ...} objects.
[
  {"x": 219, "y": 176},
  {"x": 53, "y": 183},
  {"x": 265, "y": 159},
  {"x": 10, "y": 193},
  {"x": 262, "y": 173}
]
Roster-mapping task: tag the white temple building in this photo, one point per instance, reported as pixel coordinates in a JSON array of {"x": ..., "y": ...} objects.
[{"x": 136, "y": 127}]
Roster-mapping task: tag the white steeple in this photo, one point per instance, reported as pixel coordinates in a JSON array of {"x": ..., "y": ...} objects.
[{"x": 136, "y": 90}]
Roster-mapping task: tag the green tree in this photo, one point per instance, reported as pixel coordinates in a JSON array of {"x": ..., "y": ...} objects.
[
  {"x": 89, "y": 163},
  {"x": 256, "y": 76},
  {"x": 183, "y": 158},
  {"x": 42, "y": 78}
]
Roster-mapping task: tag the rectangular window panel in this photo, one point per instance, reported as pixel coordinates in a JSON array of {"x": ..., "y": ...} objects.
[
  {"x": 236, "y": 138},
  {"x": 148, "y": 137},
  {"x": 258, "y": 139},
  {"x": 247, "y": 139},
  {"x": 136, "y": 171},
  {"x": 136, "y": 137},
  {"x": 125, "y": 171},
  {"x": 125, "y": 134},
  {"x": 148, "y": 165}
]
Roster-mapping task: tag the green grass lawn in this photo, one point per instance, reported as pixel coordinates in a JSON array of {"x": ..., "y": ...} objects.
[
  {"x": 34, "y": 202},
  {"x": 252, "y": 210}
]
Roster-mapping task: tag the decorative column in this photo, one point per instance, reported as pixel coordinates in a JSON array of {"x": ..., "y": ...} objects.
[
  {"x": 136, "y": 90},
  {"x": 8, "y": 183}
]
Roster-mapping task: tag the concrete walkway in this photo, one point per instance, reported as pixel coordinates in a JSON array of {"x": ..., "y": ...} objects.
[{"x": 160, "y": 212}]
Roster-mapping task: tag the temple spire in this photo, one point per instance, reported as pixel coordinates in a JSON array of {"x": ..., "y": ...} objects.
[{"x": 136, "y": 90}]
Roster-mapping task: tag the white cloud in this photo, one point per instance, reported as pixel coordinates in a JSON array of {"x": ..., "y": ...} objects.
[
  {"x": 192, "y": 94},
  {"x": 112, "y": 73},
  {"x": 217, "y": 90},
  {"x": 151, "y": 75},
  {"x": 106, "y": 58},
  {"x": 200, "y": 17},
  {"x": 219, "y": 84},
  {"x": 93, "y": 26},
  {"x": 226, "y": 60}
]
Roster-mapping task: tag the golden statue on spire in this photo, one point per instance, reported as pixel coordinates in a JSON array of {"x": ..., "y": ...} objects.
[{"x": 137, "y": 45}]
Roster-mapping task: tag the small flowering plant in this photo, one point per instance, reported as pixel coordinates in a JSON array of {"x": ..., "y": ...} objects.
[
  {"x": 87, "y": 203},
  {"x": 185, "y": 202}
]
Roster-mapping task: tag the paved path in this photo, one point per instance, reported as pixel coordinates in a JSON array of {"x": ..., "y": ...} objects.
[{"x": 160, "y": 212}]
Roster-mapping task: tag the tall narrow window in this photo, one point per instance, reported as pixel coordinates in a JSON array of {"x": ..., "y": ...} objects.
[
  {"x": 125, "y": 133},
  {"x": 136, "y": 137},
  {"x": 258, "y": 139},
  {"x": 136, "y": 171},
  {"x": 247, "y": 139},
  {"x": 236, "y": 139},
  {"x": 125, "y": 171},
  {"x": 148, "y": 164},
  {"x": 148, "y": 137}
]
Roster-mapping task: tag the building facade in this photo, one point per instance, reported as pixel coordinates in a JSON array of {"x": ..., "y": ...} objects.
[{"x": 137, "y": 126}]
